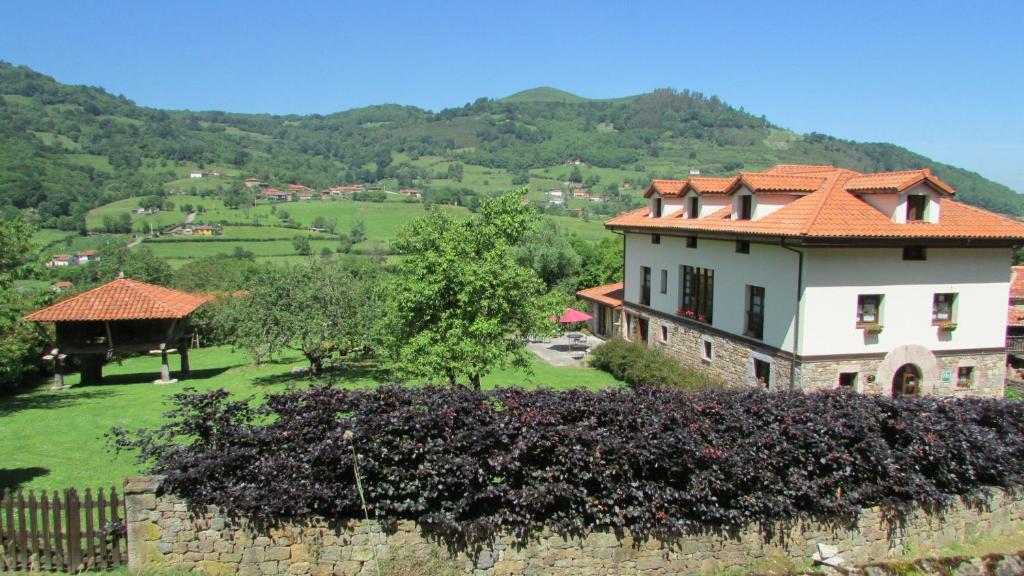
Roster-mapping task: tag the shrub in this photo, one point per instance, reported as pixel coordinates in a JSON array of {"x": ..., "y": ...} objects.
[
  {"x": 639, "y": 366},
  {"x": 655, "y": 461}
]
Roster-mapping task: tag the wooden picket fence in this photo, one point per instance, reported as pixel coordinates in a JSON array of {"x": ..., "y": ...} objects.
[{"x": 61, "y": 534}]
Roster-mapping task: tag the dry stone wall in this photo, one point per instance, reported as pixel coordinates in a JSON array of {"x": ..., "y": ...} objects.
[{"x": 164, "y": 535}]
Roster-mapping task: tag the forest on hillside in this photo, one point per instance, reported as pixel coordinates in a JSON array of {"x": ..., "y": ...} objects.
[{"x": 66, "y": 149}]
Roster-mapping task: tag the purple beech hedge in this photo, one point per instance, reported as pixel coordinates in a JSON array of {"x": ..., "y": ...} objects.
[{"x": 658, "y": 462}]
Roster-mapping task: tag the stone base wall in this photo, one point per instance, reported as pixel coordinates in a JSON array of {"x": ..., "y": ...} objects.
[
  {"x": 164, "y": 535},
  {"x": 732, "y": 360},
  {"x": 875, "y": 377}
]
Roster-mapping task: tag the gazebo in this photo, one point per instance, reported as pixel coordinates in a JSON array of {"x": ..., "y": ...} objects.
[{"x": 121, "y": 316}]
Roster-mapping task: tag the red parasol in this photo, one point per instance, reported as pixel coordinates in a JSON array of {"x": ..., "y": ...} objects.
[{"x": 571, "y": 316}]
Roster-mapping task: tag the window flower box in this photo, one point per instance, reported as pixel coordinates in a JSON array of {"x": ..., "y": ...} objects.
[
  {"x": 946, "y": 326},
  {"x": 687, "y": 313},
  {"x": 870, "y": 327}
]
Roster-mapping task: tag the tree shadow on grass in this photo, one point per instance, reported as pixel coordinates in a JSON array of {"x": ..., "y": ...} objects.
[
  {"x": 149, "y": 377},
  {"x": 14, "y": 478},
  {"x": 37, "y": 400},
  {"x": 346, "y": 375}
]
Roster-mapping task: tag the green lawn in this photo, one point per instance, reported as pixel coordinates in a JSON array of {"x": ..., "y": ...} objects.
[
  {"x": 141, "y": 222},
  {"x": 200, "y": 249},
  {"x": 383, "y": 220},
  {"x": 53, "y": 440}
]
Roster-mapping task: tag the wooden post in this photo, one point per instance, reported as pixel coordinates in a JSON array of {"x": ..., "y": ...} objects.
[
  {"x": 165, "y": 369},
  {"x": 186, "y": 370},
  {"x": 58, "y": 373},
  {"x": 92, "y": 368}
]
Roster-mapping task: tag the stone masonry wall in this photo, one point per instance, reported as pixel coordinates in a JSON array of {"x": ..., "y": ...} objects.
[
  {"x": 164, "y": 535},
  {"x": 989, "y": 375},
  {"x": 731, "y": 360}
]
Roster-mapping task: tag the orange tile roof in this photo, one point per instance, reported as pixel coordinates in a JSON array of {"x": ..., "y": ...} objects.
[
  {"x": 799, "y": 168},
  {"x": 760, "y": 182},
  {"x": 896, "y": 181},
  {"x": 834, "y": 210},
  {"x": 709, "y": 185},
  {"x": 1017, "y": 283},
  {"x": 666, "y": 187},
  {"x": 703, "y": 185},
  {"x": 609, "y": 294},
  {"x": 1014, "y": 316},
  {"x": 122, "y": 299}
]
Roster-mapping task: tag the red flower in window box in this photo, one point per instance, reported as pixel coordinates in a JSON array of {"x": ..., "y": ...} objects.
[{"x": 686, "y": 312}]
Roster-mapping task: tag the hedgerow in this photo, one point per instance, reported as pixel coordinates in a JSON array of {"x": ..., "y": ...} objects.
[
  {"x": 658, "y": 462},
  {"x": 639, "y": 365}
]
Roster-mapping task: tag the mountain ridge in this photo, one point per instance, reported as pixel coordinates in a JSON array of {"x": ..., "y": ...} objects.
[{"x": 65, "y": 149}]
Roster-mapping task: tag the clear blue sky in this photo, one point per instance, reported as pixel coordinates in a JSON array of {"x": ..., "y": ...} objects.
[{"x": 942, "y": 78}]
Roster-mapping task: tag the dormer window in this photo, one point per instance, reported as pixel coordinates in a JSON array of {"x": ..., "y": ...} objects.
[
  {"x": 916, "y": 205},
  {"x": 656, "y": 209},
  {"x": 745, "y": 208},
  {"x": 694, "y": 207}
]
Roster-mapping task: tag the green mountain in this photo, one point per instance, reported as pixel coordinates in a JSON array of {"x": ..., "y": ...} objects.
[
  {"x": 65, "y": 149},
  {"x": 543, "y": 94}
]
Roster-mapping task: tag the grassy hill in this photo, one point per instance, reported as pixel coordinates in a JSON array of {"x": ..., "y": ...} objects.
[
  {"x": 65, "y": 150},
  {"x": 543, "y": 94}
]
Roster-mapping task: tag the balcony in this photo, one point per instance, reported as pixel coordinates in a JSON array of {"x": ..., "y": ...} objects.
[{"x": 1015, "y": 345}]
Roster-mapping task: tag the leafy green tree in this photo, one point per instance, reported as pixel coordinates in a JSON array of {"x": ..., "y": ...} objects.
[
  {"x": 548, "y": 252},
  {"x": 576, "y": 175},
  {"x": 302, "y": 246},
  {"x": 136, "y": 263},
  {"x": 461, "y": 304},
  {"x": 324, "y": 310},
  {"x": 357, "y": 233},
  {"x": 455, "y": 171},
  {"x": 15, "y": 250},
  {"x": 20, "y": 342}
]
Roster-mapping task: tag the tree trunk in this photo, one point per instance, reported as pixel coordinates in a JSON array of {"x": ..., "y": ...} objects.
[
  {"x": 474, "y": 379},
  {"x": 316, "y": 364}
]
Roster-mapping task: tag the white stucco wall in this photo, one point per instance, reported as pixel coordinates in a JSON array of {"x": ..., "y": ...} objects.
[
  {"x": 766, "y": 266},
  {"x": 765, "y": 204},
  {"x": 834, "y": 277},
  {"x": 671, "y": 206},
  {"x": 711, "y": 203},
  {"x": 894, "y": 206}
]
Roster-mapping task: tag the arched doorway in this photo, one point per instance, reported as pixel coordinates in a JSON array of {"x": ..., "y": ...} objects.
[{"x": 906, "y": 381}]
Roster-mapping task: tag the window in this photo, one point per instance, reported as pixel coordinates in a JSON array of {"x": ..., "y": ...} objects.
[
  {"x": 655, "y": 238},
  {"x": 694, "y": 207},
  {"x": 656, "y": 209},
  {"x": 942, "y": 308},
  {"x": 743, "y": 246},
  {"x": 755, "y": 312},
  {"x": 965, "y": 376},
  {"x": 707, "y": 350},
  {"x": 664, "y": 333},
  {"x": 746, "y": 202},
  {"x": 698, "y": 293},
  {"x": 762, "y": 373},
  {"x": 848, "y": 381},
  {"x": 645, "y": 285},
  {"x": 914, "y": 253},
  {"x": 691, "y": 241},
  {"x": 664, "y": 282},
  {"x": 869, "y": 309},
  {"x": 916, "y": 204}
]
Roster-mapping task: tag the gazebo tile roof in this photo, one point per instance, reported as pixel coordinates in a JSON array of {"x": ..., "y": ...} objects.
[{"x": 122, "y": 299}]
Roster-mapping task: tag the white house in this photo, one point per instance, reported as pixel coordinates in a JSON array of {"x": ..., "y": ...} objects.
[
  {"x": 59, "y": 261},
  {"x": 811, "y": 277},
  {"x": 195, "y": 174}
]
